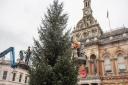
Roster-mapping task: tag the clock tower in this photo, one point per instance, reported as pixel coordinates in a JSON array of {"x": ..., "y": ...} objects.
[
  {"x": 87, "y": 27},
  {"x": 86, "y": 33},
  {"x": 87, "y": 8}
]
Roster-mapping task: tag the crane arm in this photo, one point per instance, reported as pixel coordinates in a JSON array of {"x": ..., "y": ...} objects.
[
  {"x": 11, "y": 49},
  {"x": 6, "y": 52}
]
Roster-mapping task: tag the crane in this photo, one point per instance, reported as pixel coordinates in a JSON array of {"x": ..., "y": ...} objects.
[{"x": 12, "y": 52}]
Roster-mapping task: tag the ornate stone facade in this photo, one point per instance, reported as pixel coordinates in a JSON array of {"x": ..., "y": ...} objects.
[{"x": 104, "y": 55}]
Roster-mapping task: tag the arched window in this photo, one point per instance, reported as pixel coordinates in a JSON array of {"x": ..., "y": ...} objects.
[
  {"x": 121, "y": 63},
  {"x": 93, "y": 64},
  {"x": 107, "y": 64},
  {"x": 86, "y": 4}
]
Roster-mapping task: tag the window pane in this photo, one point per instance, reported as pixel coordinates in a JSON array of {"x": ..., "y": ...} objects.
[
  {"x": 120, "y": 59},
  {"x": 107, "y": 64},
  {"x": 108, "y": 67},
  {"x": 25, "y": 79},
  {"x": 107, "y": 61},
  {"x": 122, "y": 66},
  {"x": 20, "y": 77},
  {"x": 5, "y": 75},
  {"x": 121, "y": 62},
  {"x": 14, "y": 75}
]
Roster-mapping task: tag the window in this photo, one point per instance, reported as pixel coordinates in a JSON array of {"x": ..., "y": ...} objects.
[
  {"x": 93, "y": 62},
  {"x": 20, "y": 77},
  {"x": 14, "y": 76},
  {"x": 25, "y": 79},
  {"x": 86, "y": 4},
  {"x": 107, "y": 64},
  {"x": 5, "y": 75},
  {"x": 121, "y": 63}
]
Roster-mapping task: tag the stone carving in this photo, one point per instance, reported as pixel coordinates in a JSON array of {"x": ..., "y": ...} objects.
[
  {"x": 78, "y": 35},
  {"x": 94, "y": 30},
  {"x": 80, "y": 24},
  {"x": 85, "y": 34}
]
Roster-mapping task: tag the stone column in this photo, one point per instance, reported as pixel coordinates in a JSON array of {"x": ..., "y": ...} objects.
[
  {"x": 89, "y": 69},
  {"x": 103, "y": 71},
  {"x": 126, "y": 62},
  {"x": 114, "y": 66},
  {"x": 97, "y": 66},
  {"x": 90, "y": 65},
  {"x": 101, "y": 68}
]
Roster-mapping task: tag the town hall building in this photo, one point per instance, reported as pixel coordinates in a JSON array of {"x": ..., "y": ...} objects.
[{"x": 102, "y": 57}]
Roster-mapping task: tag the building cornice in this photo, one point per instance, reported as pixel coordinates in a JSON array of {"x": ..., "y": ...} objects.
[{"x": 77, "y": 30}]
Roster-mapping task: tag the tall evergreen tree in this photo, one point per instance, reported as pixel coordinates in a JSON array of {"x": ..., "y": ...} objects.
[{"x": 52, "y": 63}]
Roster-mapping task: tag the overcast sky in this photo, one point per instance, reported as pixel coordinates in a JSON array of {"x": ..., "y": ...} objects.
[{"x": 19, "y": 19}]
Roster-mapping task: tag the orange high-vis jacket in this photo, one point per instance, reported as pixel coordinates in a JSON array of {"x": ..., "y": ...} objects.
[{"x": 76, "y": 45}]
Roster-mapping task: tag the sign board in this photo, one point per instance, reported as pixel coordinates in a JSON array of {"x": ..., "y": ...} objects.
[{"x": 83, "y": 73}]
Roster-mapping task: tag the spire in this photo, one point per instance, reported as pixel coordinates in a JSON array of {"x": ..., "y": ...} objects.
[{"x": 87, "y": 8}]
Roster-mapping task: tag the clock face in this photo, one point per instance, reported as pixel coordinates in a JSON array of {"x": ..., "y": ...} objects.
[{"x": 86, "y": 12}]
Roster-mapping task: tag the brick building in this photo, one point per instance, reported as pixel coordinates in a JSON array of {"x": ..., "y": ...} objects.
[{"x": 103, "y": 56}]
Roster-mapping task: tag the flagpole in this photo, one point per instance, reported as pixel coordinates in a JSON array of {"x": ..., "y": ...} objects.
[
  {"x": 110, "y": 25},
  {"x": 109, "y": 21}
]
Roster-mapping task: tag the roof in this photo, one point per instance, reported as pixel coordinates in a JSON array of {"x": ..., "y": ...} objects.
[
  {"x": 18, "y": 65},
  {"x": 120, "y": 34},
  {"x": 116, "y": 32}
]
